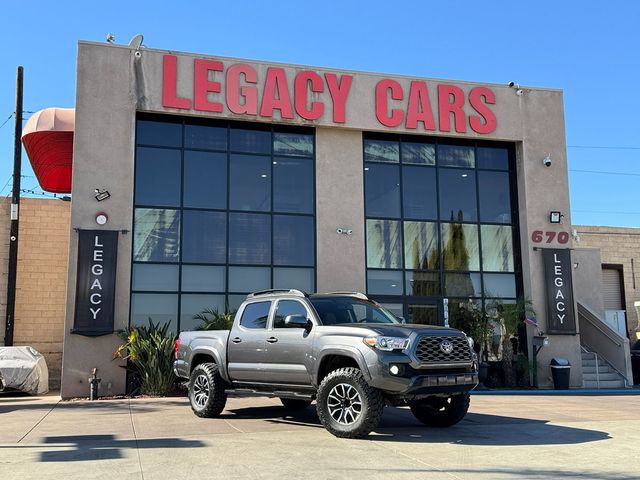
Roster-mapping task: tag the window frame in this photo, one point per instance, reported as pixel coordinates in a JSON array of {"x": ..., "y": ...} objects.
[
  {"x": 511, "y": 171},
  {"x": 272, "y": 324},
  {"x": 273, "y": 129}
]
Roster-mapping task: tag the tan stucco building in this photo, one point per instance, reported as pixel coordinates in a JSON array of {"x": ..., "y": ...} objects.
[{"x": 200, "y": 179}]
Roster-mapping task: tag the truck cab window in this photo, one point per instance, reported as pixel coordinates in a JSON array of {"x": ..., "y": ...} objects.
[
  {"x": 255, "y": 315},
  {"x": 287, "y": 307}
]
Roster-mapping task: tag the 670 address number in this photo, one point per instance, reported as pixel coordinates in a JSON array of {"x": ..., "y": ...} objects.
[{"x": 538, "y": 236}]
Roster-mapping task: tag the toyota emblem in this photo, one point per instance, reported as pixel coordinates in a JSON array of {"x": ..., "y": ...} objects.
[{"x": 446, "y": 346}]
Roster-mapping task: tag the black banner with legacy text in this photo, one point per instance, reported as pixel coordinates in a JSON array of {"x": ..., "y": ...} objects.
[
  {"x": 557, "y": 267},
  {"x": 96, "y": 283}
]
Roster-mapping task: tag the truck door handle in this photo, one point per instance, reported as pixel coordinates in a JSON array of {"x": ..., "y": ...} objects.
[
  {"x": 272, "y": 339},
  {"x": 236, "y": 340}
]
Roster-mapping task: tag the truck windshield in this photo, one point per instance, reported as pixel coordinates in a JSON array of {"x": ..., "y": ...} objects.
[{"x": 344, "y": 310}]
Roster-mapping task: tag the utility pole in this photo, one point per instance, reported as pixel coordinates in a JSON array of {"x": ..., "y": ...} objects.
[{"x": 15, "y": 204}]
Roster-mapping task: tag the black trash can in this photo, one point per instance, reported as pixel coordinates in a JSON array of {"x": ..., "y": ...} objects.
[
  {"x": 561, "y": 371},
  {"x": 635, "y": 366}
]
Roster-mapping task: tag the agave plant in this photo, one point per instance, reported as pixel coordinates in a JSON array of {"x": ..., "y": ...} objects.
[
  {"x": 212, "y": 319},
  {"x": 150, "y": 350}
]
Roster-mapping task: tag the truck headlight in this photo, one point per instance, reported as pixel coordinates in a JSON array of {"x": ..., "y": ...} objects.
[
  {"x": 471, "y": 342},
  {"x": 387, "y": 344}
]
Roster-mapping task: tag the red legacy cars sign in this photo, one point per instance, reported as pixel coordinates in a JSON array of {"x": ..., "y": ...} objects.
[{"x": 236, "y": 88}]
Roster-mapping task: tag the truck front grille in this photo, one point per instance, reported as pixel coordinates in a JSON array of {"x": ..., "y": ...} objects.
[{"x": 429, "y": 350}]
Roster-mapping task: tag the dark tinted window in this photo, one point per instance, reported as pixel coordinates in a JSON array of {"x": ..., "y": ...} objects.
[
  {"x": 382, "y": 190},
  {"x": 158, "y": 177},
  {"x": 205, "y": 180},
  {"x": 249, "y": 238},
  {"x": 205, "y": 137},
  {"x": 285, "y": 308},
  {"x": 250, "y": 141},
  {"x": 255, "y": 315},
  {"x": 292, "y": 185},
  {"x": 494, "y": 158},
  {"x": 292, "y": 144},
  {"x": 420, "y": 153},
  {"x": 381, "y": 151},
  {"x": 341, "y": 310},
  {"x": 456, "y": 156},
  {"x": 495, "y": 199},
  {"x": 384, "y": 282},
  {"x": 423, "y": 284},
  {"x": 162, "y": 134},
  {"x": 458, "y": 195},
  {"x": 420, "y": 199},
  {"x": 250, "y": 183},
  {"x": 204, "y": 236},
  {"x": 293, "y": 240}
]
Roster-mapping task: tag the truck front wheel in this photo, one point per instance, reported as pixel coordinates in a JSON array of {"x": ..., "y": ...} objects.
[
  {"x": 348, "y": 407},
  {"x": 207, "y": 391},
  {"x": 441, "y": 411}
]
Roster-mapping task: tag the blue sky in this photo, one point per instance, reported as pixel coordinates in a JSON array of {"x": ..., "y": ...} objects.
[{"x": 589, "y": 49}]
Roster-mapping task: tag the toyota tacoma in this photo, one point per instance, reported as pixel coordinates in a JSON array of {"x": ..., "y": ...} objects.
[{"x": 342, "y": 350}]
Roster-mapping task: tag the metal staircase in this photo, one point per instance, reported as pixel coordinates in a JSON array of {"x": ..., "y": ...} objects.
[
  {"x": 606, "y": 358},
  {"x": 597, "y": 373}
]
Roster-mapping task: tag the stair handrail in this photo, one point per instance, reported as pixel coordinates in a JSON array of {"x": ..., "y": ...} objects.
[
  {"x": 608, "y": 332},
  {"x": 597, "y": 323}
]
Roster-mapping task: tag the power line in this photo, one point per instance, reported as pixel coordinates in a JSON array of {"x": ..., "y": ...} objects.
[
  {"x": 604, "y": 172},
  {"x": 5, "y": 185},
  {"x": 606, "y": 211},
  {"x": 5, "y": 122},
  {"x": 604, "y": 147}
]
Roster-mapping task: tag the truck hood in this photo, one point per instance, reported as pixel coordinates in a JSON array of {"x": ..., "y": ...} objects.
[{"x": 403, "y": 330}]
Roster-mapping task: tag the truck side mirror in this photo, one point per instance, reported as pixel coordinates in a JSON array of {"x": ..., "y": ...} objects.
[{"x": 296, "y": 321}]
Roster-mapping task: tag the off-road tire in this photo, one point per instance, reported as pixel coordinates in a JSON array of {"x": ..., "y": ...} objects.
[
  {"x": 295, "y": 404},
  {"x": 372, "y": 404},
  {"x": 216, "y": 399},
  {"x": 441, "y": 412}
]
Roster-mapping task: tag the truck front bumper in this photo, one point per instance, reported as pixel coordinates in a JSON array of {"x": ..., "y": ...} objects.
[
  {"x": 441, "y": 383},
  {"x": 409, "y": 381}
]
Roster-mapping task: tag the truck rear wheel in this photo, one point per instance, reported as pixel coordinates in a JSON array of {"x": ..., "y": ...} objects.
[
  {"x": 295, "y": 404},
  {"x": 441, "y": 411},
  {"x": 347, "y": 406},
  {"x": 207, "y": 391}
]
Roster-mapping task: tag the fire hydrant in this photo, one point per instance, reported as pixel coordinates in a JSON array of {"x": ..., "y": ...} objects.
[{"x": 94, "y": 381}]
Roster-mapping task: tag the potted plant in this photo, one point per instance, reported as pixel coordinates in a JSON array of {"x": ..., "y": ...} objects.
[
  {"x": 510, "y": 316},
  {"x": 476, "y": 324},
  {"x": 150, "y": 352}
]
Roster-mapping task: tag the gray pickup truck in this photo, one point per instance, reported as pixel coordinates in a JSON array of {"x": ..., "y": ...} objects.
[{"x": 342, "y": 350}]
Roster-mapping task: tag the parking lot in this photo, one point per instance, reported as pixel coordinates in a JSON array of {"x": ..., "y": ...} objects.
[{"x": 503, "y": 437}]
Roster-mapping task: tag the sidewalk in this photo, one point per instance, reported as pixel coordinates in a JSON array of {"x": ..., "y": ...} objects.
[{"x": 503, "y": 437}]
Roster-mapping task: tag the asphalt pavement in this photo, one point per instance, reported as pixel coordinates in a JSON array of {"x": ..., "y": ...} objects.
[{"x": 503, "y": 437}]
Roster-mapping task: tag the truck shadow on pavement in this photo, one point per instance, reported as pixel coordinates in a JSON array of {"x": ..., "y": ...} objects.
[
  {"x": 399, "y": 425},
  {"x": 104, "y": 447}
]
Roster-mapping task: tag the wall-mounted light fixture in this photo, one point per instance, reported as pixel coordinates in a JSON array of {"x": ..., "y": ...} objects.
[
  {"x": 555, "y": 217},
  {"x": 102, "y": 218},
  {"x": 102, "y": 194}
]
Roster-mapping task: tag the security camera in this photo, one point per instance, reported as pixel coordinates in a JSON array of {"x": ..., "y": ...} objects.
[
  {"x": 511, "y": 84},
  {"x": 547, "y": 161},
  {"x": 137, "y": 54}
]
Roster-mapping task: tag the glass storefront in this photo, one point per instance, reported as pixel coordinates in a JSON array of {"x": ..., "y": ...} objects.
[
  {"x": 440, "y": 224},
  {"x": 221, "y": 209}
]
